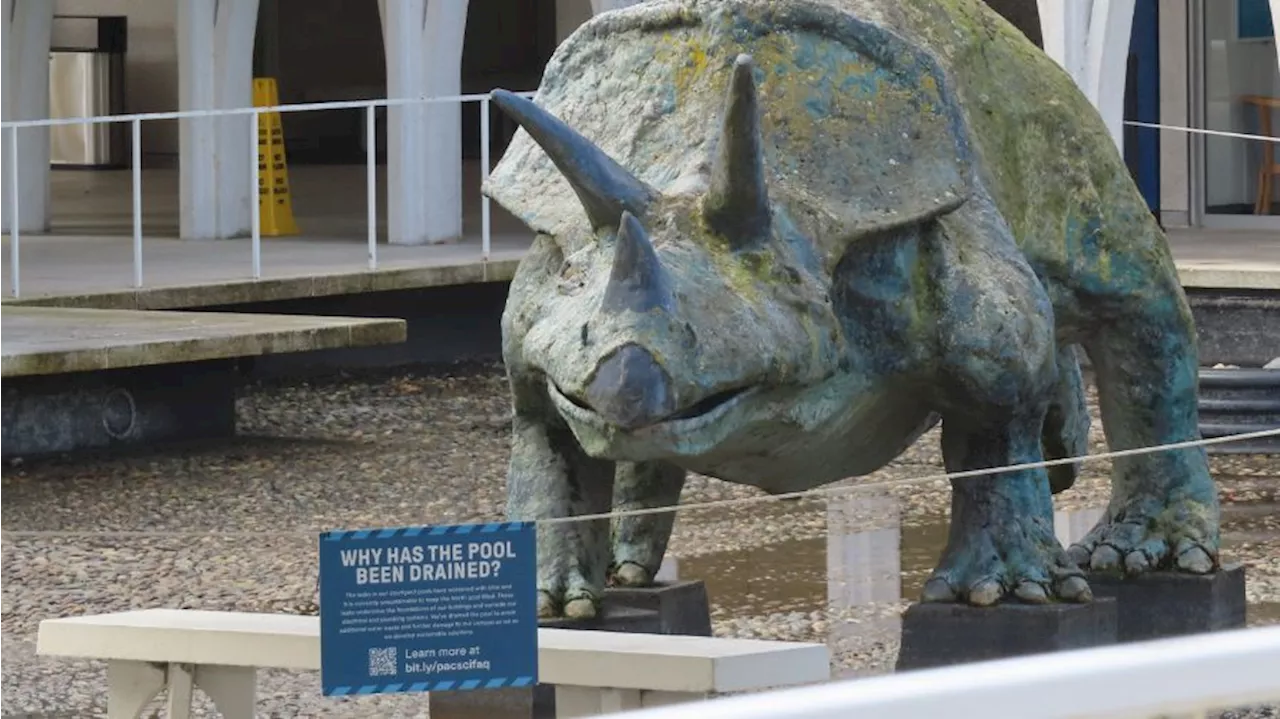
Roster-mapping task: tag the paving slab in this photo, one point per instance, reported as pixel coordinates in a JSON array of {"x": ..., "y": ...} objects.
[
  {"x": 57, "y": 340},
  {"x": 1226, "y": 259}
]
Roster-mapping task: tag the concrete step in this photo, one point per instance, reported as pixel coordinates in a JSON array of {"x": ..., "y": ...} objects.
[
  {"x": 57, "y": 340},
  {"x": 91, "y": 378}
]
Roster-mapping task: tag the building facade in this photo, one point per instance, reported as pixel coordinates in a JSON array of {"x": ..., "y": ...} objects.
[
  {"x": 1208, "y": 64},
  {"x": 1217, "y": 70}
]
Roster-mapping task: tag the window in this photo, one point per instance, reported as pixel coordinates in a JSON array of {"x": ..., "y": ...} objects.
[{"x": 1253, "y": 20}]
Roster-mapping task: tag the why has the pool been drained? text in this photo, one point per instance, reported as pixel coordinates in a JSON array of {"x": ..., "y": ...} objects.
[{"x": 418, "y": 563}]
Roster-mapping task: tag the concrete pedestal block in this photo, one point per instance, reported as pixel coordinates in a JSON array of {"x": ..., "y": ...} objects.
[
  {"x": 941, "y": 634},
  {"x": 1168, "y": 604},
  {"x": 536, "y": 702},
  {"x": 682, "y": 606},
  {"x": 679, "y": 607},
  {"x": 46, "y": 414}
]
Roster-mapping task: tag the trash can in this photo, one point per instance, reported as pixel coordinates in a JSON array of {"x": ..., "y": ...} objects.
[{"x": 86, "y": 79}]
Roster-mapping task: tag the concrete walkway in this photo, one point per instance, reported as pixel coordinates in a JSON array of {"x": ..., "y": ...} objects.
[
  {"x": 87, "y": 259},
  {"x": 1227, "y": 259}
]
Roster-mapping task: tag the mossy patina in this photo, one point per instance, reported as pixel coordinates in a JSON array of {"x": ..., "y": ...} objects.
[{"x": 778, "y": 240}]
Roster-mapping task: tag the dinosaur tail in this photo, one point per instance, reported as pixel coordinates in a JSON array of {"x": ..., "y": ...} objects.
[{"x": 1066, "y": 425}]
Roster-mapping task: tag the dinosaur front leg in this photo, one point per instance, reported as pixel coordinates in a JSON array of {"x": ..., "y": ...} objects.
[
  {"x": 1164, "y": 510},
  {"x": 1001, "y": 541},
  {"x": 639, "y": 542},
  {"x": 549, "y": 476}
]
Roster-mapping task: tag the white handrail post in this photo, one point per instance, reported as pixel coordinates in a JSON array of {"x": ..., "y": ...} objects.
[
  {"x": 371, "y": 181},
  {"x": 13, "y": 212},
  {"x": 136, "y": 127},
  {"x": 255, "y": 198},
  {"x": 484, "y": 177}
]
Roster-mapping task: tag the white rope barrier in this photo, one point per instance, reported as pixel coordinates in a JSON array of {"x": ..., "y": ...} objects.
[
  {"x": 819, "y": 492},
  {"x": 1202, "y": 131}
]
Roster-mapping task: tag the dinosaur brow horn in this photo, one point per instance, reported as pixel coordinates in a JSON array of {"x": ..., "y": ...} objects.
[
  {"x": 737, "y": 203},
  {"x": 604, "y": 187}
]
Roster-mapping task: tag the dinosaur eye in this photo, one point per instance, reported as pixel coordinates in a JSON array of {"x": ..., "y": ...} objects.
[{"x": 571, "y": 277}]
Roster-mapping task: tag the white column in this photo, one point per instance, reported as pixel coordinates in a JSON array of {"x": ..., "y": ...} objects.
[
  {"x": 1090, "y": 39},
  {"x": 215, "y": 56},
  {"x": 28, "y": 26},
  {"x": 233, "y": 46},
  {"x": 197, "y": 137},
  {"x": 423, "y": 42}
]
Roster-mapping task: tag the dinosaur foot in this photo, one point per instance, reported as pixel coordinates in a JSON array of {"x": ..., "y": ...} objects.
[
  {"x": 630, "y": 574},
  {"x": 1142, "y": 536},
  {"x": 1015, "y": 560},
  {"x": 576, "y": 607}
]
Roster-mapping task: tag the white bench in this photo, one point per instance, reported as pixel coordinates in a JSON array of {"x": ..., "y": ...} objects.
[{"x": 152, "y": 650}]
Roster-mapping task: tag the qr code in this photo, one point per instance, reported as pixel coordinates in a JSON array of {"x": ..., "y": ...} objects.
[{"x": 382, "y": 662}]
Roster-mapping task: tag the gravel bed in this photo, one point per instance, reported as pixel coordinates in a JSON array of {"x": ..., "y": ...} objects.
[{"x": 232, "y": 525}]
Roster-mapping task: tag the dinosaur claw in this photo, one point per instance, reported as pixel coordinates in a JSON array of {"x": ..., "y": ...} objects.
[
  {"x": 580, "y": 608},
  {"x": 630, "y": 574},
  {"x": 1078, "y": 555},
  {"x": 1136, "y": 563},
  {"x": 1031, "y": 592},
  {"x": 1105, "y": 559},
  {"x": 1075, "y": 589},
  {"x": 938, "y": 590},
  {"x": 985, "y": 592},
  {"x": 1195, "y": 560}
]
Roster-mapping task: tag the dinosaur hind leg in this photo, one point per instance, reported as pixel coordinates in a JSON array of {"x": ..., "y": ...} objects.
[
  {"x": 1164, "y": 510},
  {"x": 1066, "y": 424}
]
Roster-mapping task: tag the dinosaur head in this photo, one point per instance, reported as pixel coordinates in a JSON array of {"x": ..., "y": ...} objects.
[{"x": 678, "y": 322}]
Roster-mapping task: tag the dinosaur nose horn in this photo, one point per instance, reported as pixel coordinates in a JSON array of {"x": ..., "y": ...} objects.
[
  {"x": 630, "y": 389},
  {"x": 638, "y": 281}
]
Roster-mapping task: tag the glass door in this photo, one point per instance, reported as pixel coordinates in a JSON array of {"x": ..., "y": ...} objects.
[{"x": 1236, "y": 81}]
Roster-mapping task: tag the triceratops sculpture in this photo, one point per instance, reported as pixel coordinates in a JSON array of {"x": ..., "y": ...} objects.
[{"x": 778, "y": 240}]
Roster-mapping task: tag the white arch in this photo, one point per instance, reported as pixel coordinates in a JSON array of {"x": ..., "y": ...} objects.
[
  {"x": 423, "y": 42},
  {"x": 1090, "y": 39}
]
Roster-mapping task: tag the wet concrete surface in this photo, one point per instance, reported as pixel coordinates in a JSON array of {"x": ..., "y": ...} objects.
[{"x": 851, "y": 585}]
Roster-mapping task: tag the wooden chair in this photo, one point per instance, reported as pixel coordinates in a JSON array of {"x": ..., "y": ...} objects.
[{"x": 1270, "y": 168}]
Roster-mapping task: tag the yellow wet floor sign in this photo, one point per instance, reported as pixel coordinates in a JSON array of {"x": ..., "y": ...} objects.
[{"x": 275, "y": 208}]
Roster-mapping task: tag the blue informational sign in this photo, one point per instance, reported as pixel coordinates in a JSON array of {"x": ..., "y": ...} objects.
[{"x": 419, "y": 609}]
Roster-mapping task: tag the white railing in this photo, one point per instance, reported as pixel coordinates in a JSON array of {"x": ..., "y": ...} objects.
[
  {"x": 253, "y": 114},
  {"x": 370, "y": 108},
  {"x": 1183, "y": 677}
]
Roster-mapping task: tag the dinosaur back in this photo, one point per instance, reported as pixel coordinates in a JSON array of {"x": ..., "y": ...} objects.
[{"x": 860, "y": 130}]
